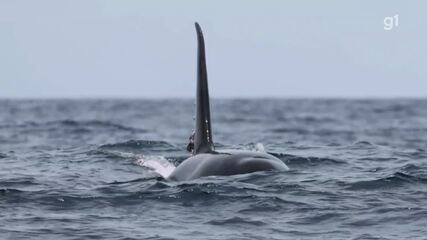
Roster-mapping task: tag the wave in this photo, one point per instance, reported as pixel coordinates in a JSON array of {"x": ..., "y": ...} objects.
[
  {"x": 236, "y": 220},
  {"x": 139, "y": 144},
  {"x": 69, "y": 123},
  {"x": 113, "y": 154},
  {"x": 25, "y": 181},
  {"x": 306, "y": 131},
  {"x": 97, "y": 123},
  {"x": 362, "y": 143},
  {"x": 312, "y": 161},
  {"x": 5, "y": 191},
  {"x": 142, "y": 152},
  {"x": 412, "y": 168},
  {"x": 397, "y": 179},
  {"x": 132, "y": 181}
]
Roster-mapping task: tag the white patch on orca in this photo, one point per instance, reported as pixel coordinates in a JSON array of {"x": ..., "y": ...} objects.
[{"x": 158, "y": 164}]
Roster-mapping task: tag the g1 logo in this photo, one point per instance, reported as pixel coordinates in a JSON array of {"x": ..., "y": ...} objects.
[{"x": 391, "y": 22}]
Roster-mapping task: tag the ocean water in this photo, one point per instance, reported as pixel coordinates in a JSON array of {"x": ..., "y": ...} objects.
[{"x": 73, "y": 169}]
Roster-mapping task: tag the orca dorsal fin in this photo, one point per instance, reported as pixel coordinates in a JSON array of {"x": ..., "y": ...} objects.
[{"x": 203, "y": 134}]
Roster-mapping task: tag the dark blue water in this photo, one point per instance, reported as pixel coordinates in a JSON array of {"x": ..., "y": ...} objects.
[{"x": 69, "y": 170}]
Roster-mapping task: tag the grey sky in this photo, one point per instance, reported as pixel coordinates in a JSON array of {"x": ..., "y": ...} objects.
[{"x": 260, "y": 48}]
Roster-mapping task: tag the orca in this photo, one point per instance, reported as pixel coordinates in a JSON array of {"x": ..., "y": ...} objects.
[{"x": 205, "y": 160}]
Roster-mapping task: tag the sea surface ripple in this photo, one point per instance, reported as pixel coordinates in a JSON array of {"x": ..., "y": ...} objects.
[{"x": 69, "y": 169}]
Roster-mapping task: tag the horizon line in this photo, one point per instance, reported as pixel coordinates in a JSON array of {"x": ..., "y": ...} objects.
[{"x": 219, "y": 98}]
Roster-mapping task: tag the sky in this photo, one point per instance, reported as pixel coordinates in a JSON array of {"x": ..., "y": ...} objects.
[{"x": 147, "y": 49}]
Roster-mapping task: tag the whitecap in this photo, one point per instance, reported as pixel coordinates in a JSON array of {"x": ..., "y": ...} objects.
[{"x": 158, "y": 164}]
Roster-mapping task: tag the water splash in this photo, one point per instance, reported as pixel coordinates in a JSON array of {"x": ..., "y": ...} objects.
[
  {"x": 255, "y": 147},
  {"x": 158, "y": 164}
]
